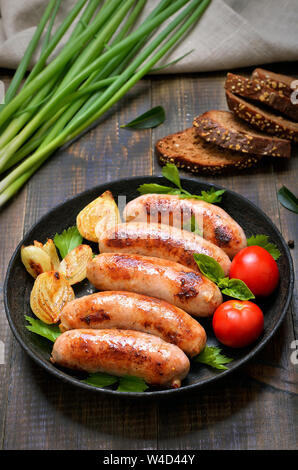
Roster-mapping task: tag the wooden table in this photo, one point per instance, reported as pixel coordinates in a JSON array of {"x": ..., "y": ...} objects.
[{"x": 252, "y": 409}]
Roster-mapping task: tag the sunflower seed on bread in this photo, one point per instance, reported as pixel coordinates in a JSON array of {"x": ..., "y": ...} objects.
[
  {"x": 191, "y": 153},
  {"x": 262, "y": 120},
  {"x": 276, "y": 81},
  {"x": 259, "y": 90},
  {"x": 226, "y": 130}
]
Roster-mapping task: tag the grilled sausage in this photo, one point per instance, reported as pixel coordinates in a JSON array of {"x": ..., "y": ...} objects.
[
  {"x": 161, "y": 241},
  {"x": 122, "y": 352},
  {"x": 157, "y": 277},
  {"x": 130, "y": 311},
  {"x": 216, "y": 225}
]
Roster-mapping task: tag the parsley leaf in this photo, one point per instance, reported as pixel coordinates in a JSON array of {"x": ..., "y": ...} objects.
[
  {"x": 157, "y": 189},
  {"x": 68, "y": 240},
  {"x": 125, "y": 384},
  {"x": 101, "y": 380},
  {"x": 211, "y": 357},
  {"x": 171, "y": 173},
  {"x": 211, "y": 196},
  {"x": 131, "y": 384},
  {"x": 50, "y": 332},
  {"x": 262, "y": 240}
]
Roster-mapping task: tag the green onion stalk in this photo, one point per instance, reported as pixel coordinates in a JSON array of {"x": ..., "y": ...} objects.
[
  {"x": 17, "y": 124},
  {"x": 101, "y": 61}
]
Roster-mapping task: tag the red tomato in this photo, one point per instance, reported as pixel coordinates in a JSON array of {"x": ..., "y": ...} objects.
[
  {"x": 237, "y": 323},
  {"x": 257, "y": 268}
]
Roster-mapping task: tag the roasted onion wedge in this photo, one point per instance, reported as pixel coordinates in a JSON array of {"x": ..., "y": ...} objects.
[
  {"x": 102, "y": 213},
  {"x": 51, "y": 291},
  {"x": 35, "y": 260},
  {"x": 50, "y": 248},
  {"x": 74, "y": 265}
]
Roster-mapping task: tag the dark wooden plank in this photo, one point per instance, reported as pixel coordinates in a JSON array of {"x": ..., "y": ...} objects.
[
  {"x": 11, "y": 223},
  {"x": 287, "y": 176},
  {"x": 235, "y": 413}
]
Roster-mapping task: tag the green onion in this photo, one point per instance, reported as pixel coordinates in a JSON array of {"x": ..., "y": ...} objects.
[
  {"x": 74, "y": 47},
  {"x": 60, "y": 33},
  {"x": 99, "y": 63},
  {"x": 50, "y": 27},
  {"x": 17, "y": 124}
]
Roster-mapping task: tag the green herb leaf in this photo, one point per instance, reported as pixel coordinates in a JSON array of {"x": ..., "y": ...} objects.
[
  {"x": 131, "y": 384},
  {"x": 68, "y": 240},
  {"x": 209, "y": 267},
  {"x": 50, "y": 332},
  {"x": 262, "y": 240},
  {"x": 152, "y": 188},
  {"x": 211, "y": 196},
  {"x": 126, "y": 383},
  {"x": 100, "y": 380},
  {"x": 152, "y": 118},
  {"x": 211, "y": 357},
  {"x": 213, "y": 271},
  {"x": 170, "y": 171},
  {"x": 288, "y": 199},
  {"x": 238, "y": 290},
  {"x": 223, "y": 283}
]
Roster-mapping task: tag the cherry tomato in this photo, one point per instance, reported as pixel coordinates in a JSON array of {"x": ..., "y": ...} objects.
[
  {"x": 257, "y": 268},
  {"x": 238, "y": 323}
]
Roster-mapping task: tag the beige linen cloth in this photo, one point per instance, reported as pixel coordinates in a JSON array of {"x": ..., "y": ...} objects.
[{"x": 231, "y": 34}]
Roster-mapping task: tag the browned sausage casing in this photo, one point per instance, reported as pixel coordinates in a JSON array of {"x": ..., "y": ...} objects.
[
  {"x": 122, "y": 352},
  {"x": 217, "y": 226},
  {"x": 161, "y": 241},
  {"x": 157, "y": 277},
  {"x": 130, "y": 311}
]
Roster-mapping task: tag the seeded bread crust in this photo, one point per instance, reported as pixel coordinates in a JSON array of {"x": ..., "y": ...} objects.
[
  {"x": 191, "y": 153},
  {"x": 258, "y": 90},
  {"x": 262, "y": 120},
  {"x": 224, "y": 129},
  {"x": 276, "y": 81}
]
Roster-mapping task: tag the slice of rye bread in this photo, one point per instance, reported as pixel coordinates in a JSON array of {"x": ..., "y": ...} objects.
[
  {"x": 262, "y": 120},
  {"x": 226, "y": 130},
  {"x": 191, "y": 153},
  {"x": 276, "y": 81},
  {"x": 257, "y": 90}
]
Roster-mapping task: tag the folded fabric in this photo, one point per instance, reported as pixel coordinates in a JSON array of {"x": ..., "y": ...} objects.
[{"x": 231, "y": 33}]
